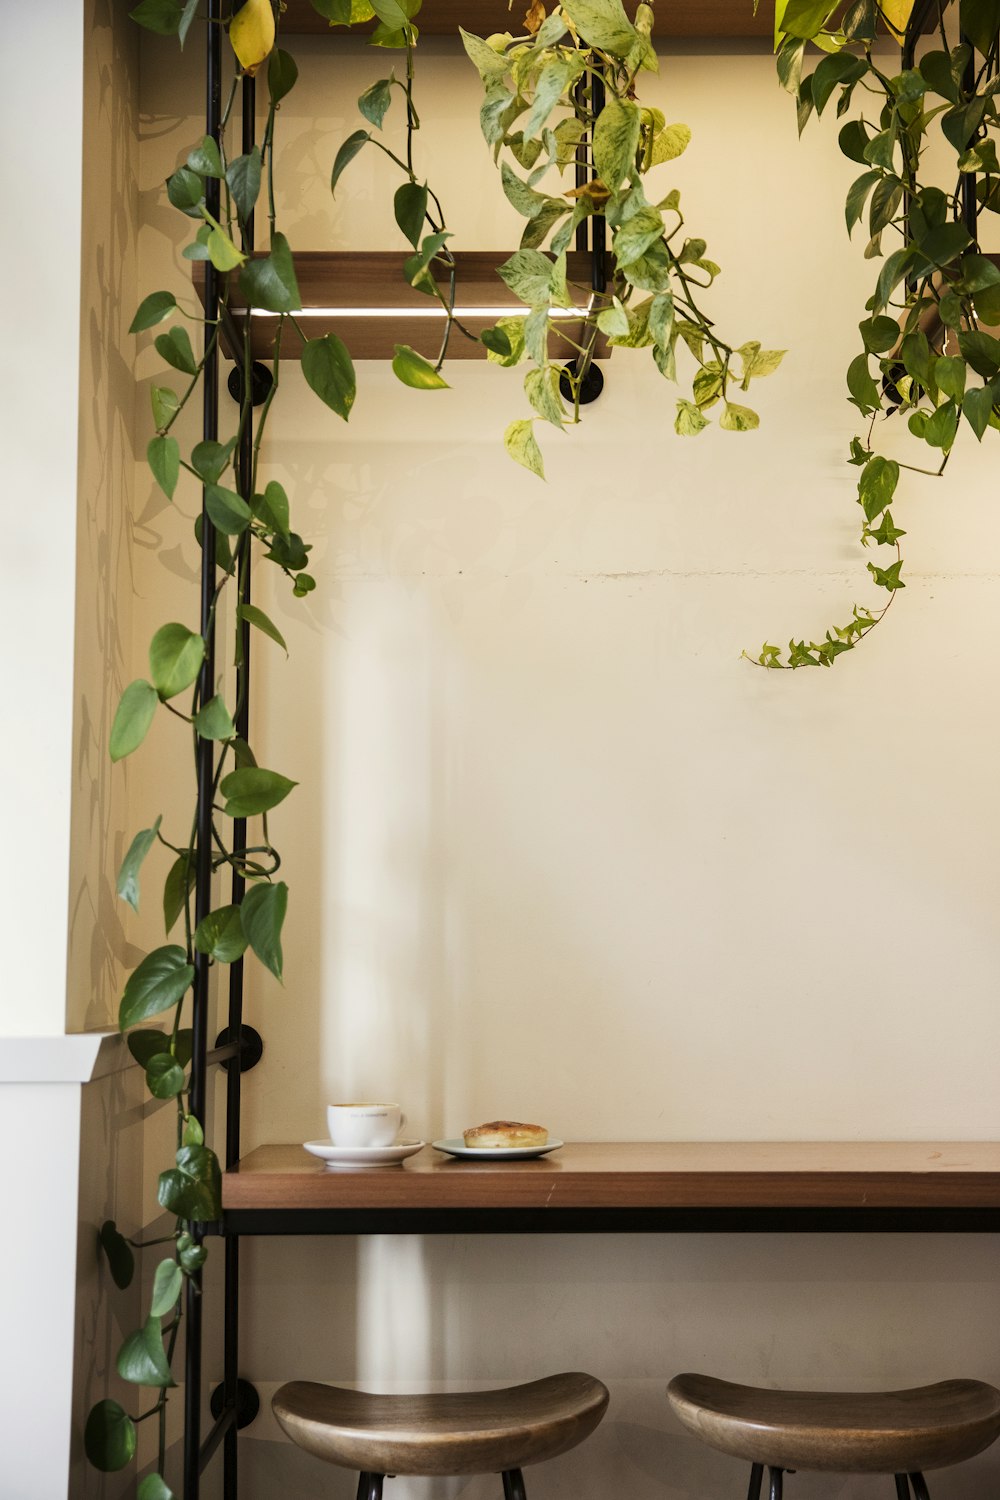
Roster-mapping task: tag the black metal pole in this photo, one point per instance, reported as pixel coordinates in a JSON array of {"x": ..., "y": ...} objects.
[
  {"x": 970, "y": 213},
  {"x": 598, "y": 222},
  {"x": 234, "y": 1075},
  {"x": 205, "y": 762},
  {"x": 582, "y": 159}
]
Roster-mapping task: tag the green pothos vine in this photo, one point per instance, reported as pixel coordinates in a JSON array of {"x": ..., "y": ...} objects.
[
  {"x": 936, "y": 294},
  {"x": 251, "y": 518}
]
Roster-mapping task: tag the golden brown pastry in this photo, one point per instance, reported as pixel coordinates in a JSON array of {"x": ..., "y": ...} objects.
[{"x": 507, "y": 1133}]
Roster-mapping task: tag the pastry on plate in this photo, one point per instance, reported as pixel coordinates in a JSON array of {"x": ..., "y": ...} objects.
[{"x": 505, "y": 1133}]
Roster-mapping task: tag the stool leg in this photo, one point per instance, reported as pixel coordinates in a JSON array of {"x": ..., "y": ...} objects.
[
  {"x": 756, "y": 1480},
  {"x": 919, "y": 1487},
  {"x": 774, "y": 1483},
  {"x": 513, "y": 1485},
  {"x": 902, "y": 1487},
  {"x": 373, "y": 1487},
  {"x": 364, "y": 1480}
]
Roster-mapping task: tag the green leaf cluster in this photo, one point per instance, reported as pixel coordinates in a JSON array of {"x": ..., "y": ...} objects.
[
  {"x": 925, "y": 139},
  {"x": 544, "y": 93},
  {"x": 243, "y": 514}
]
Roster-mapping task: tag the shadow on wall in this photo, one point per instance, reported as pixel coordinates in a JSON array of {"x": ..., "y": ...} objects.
[{"x": 99, "y": 948}]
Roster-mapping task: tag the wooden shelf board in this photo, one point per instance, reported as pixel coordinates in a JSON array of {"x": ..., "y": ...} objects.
[
  {"x": 677, "y": 18},
  {"x": 637, "y": 1175},
  {"x": 336, "y": 284}
]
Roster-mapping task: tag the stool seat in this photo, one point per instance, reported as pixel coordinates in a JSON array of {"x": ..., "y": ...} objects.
[
  {"x": 854, "y": 1432},
  {"x": 462, "y": 1432}
]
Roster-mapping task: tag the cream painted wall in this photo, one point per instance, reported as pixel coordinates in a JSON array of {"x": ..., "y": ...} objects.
[
  {"x": 558, "y": 853},
  {"x": 40, "y": 267},
  {"x": 107, "y": 532}
]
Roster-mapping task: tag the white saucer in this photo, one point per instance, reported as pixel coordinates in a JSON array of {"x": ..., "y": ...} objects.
[
  {"x": 363, "y": 1156},
  {"x": 495, "y": 1153}
]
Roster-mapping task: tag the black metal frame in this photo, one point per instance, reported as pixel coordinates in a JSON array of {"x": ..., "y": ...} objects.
[
  {"x": 234, "y": 1403},
  {"x": 370, "y": 1485},
  {"x": 775, "y": 1484},
  {"x": 237, "y": 1044},
  {"x": 763, "y": 1220}
]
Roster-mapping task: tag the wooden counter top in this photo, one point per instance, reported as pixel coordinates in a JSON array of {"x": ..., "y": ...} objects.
[{"x": 756, "y": 1175}]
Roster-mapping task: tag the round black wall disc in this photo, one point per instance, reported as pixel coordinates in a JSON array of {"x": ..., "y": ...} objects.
[{"x": 590, "y": 387}]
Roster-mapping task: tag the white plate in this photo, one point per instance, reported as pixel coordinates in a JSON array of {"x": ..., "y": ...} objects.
[
  {"x": 363, "y": 1156},
  {"x": 495, "y": 1153}
]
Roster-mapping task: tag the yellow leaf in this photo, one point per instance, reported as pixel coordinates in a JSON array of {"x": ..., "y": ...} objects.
[
  {"x": 251, "y": 33},
  {"x": 897, "y": 13},
  {"x": 595, "y": 190},
  {"x": 535, "y": 17},
  {"x": 671, "y": 142}
]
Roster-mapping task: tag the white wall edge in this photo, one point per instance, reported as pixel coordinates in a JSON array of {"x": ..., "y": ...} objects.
[{"x": 76, "y": 1058}]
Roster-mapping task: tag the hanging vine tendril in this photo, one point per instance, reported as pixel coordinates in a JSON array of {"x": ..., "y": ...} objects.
[
  {"x": 936, "y": 294},
  {"x": 251, "y": 519}
]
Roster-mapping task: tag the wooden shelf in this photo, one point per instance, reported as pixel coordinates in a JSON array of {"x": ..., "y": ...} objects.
[
  {"x": 854, "y": 1177},
  {"x": 336, "y": 286},
  {"x": 677, "y": 18}
]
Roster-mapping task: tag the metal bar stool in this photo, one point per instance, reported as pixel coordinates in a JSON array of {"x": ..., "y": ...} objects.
[
  {"x": 468, "y": 1432},
  {"x": 858, "y": 1432}
]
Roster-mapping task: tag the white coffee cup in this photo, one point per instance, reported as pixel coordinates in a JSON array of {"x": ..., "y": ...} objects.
[{"x": 364, "y": 1124}]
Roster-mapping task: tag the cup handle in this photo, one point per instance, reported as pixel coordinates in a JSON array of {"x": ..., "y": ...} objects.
[{"x": 402, "y": 1121}]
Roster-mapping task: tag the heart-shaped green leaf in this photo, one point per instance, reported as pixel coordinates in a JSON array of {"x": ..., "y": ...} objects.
[
  {"x": 211, "y": 459},
  {"x": 243, "y": 178},
  {"x": 254, "y": 790},
  {"x": 271, "y": 508},
  {"x": 167, "y": 1285},
  {"x": 164, "y": 1076},
  {"x": 177, "y": 886},
  {"x": 329, "y": 371},
  {"x": 263, "y": 913},
  {"x": 133, "y": 717},
  {"x": 205, "y": 159},
  {"x": 228, "y": 511},
  {"x": 158, "y": 984},
  {"x": 410, "y": 208},
  {"x": 415, "y": 371},
  {"x": 522, "y": 445},
  {"x": 255, "y": 616},
  {"x": 163, "y": 455},
  {"x": 346, "y": 155},
  {"x": 154, "y": 1487},
  {"x": 128, "y": 875},
  {"x": 375, "y": 101},
  {"x": 214, "y": 721},
  {"x": 109, "y": 1437},
  {"x": 192, "y": 1189},
  {"x": 142, "y": 1358},
  {"x": 152, "y": 310},
  {"x": 175, "y": 658},
  {"x": 616, "y": 141},
  {"x": 161, "y": 16},
  {"x": 282, "y": 75},
  {"x": 148, "y": 1043},
  {"x": 175, "y": 349},
  {"x": 270, "y": 282},
  {"x": 220, "y": 935}
]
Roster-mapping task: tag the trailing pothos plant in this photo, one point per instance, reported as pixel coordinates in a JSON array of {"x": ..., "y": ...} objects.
[
  {"x": 250, "y": 518},
  {"x": 927, "y": 356},
  {"x": 416, "y": 207},
  {"x": 571, "y": 77}
]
